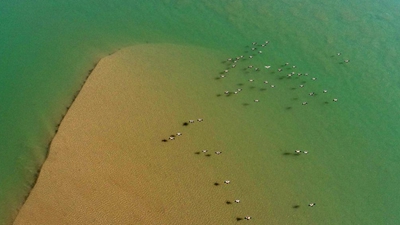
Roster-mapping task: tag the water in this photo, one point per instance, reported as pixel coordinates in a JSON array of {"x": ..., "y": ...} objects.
[{"x": 48, "y": 48}]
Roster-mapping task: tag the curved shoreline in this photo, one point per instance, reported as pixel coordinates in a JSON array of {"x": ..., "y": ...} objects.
[
  {"x": 74, "y": 96},
  {"x": 99, "y": 120}
]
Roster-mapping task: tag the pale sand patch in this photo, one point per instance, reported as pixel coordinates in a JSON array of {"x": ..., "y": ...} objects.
[{"x": 107, "y": 164}]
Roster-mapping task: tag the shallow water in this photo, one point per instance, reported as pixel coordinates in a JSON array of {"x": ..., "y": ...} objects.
[{"x": 350, "y": 172}]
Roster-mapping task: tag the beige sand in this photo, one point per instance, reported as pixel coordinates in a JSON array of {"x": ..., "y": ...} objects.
[{"x": 107, "y": 163}]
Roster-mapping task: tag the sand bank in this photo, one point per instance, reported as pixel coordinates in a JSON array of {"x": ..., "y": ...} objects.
[{"x": 107, "y": 163}]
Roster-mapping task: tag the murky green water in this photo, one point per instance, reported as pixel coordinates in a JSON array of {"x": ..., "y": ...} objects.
[{"x": 352, "y": 169}]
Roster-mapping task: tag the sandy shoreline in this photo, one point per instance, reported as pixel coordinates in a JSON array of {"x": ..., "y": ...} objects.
[{"x": 107, "y": 163}]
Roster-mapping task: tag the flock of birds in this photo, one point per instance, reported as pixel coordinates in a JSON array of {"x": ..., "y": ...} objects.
[{"x": 233, "y": 64}]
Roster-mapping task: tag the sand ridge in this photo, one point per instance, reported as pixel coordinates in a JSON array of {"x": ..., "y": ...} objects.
[{"x": 107, "y": 163}]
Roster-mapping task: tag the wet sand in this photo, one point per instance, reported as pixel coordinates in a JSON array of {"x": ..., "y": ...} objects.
[{"x": 108, "y": 164}]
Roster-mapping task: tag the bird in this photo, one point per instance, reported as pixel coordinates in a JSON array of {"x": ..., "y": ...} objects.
[
  {"x": 311, "y": 204},
  {"x": 178, "y": 134},
  {"x": 227, "y": 182}
]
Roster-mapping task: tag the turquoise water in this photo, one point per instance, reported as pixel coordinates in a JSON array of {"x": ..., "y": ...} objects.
[{"x": 48, "y": 48}]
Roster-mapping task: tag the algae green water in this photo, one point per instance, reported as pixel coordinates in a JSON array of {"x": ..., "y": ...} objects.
[{"x": 352, "y": 169}]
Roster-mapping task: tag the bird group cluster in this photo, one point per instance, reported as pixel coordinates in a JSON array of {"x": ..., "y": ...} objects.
[{"x": 233, "y": 63}]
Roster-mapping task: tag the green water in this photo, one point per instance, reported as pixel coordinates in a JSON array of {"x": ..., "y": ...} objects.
[{"x": 48, "y": 47}]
